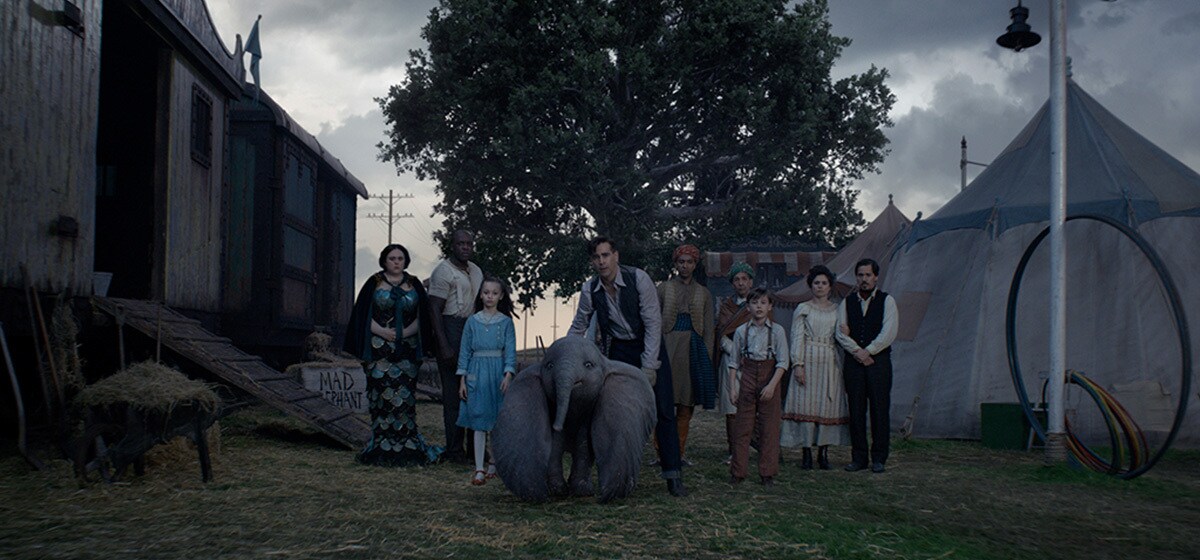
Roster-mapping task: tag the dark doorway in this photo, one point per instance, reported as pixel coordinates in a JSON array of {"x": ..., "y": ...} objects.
[{"x": 130, "y": 54}]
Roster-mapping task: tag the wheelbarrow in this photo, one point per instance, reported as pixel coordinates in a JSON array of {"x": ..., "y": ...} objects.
[{"x": 116, "y": 436}]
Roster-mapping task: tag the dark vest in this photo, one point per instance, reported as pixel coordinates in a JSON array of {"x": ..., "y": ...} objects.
[
  {"x": 630, "y": 302},
  {"x": 864, "y": 329}
]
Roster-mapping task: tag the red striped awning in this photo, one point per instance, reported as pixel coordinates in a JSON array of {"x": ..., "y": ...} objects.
[{"x": 797, "y": 263}]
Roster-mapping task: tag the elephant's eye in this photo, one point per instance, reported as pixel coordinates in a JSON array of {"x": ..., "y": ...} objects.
[
  {"x": 549, "y": 365},
  {"x": 588, "y": 365}
]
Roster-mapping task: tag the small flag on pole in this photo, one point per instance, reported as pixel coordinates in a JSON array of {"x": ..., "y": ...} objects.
[{"x": 255, "y": 51}]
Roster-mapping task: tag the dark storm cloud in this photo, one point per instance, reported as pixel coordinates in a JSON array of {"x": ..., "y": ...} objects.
[
  {"x": 923, "y": 166},
  {"x": 369, "y": 34},
  {"x": 882, "y": 27},
  {"x": 354, "y": 141},
  {"x": 1135, "y": 57},
  {"x": 1188, "y": 24}
]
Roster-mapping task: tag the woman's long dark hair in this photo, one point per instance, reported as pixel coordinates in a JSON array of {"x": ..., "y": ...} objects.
[{"x": 505, "y": 305}]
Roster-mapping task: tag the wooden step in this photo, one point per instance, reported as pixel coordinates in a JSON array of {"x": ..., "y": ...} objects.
[{"x": 219, "y": 356}]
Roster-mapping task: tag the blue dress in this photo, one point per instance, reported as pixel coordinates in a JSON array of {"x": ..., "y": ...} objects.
[{"x": 487, "y": 352}]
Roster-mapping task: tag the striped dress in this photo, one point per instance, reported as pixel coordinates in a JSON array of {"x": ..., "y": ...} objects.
[{"x": 815, "y": 413}]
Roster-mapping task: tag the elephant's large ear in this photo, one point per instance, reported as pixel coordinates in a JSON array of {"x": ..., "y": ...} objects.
[
  {"x": 521, "y": 437},
  {"x": 624, "y": 417}
]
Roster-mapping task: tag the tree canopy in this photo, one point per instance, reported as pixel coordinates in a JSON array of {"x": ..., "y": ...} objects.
[{"x": 653, "y": 122}]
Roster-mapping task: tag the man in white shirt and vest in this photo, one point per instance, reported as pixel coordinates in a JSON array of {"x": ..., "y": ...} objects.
[
  {"x": 453, "y": 286},
  {"x": 867, "y": 323},
  {"x": 625, "y": 303}
]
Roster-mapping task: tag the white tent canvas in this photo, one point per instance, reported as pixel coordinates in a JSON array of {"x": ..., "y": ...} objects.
[{"x": 1120, "y": 333}]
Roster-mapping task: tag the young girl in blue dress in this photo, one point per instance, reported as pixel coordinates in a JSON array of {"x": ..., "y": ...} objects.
[{"x": 487, "y": 362}]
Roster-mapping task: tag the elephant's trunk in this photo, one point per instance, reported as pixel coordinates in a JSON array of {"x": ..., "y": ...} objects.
[{"x": 563, "y": 386}]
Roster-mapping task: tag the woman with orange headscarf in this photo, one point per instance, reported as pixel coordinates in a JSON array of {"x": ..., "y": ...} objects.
[{"x": 688, "y": 329}]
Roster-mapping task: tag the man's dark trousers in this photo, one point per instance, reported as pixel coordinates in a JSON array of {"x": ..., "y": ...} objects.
[
  {"x": 448, "y": 371},
  {"x": 869, "y": 387},
  {"x": 667, "y": 432}
]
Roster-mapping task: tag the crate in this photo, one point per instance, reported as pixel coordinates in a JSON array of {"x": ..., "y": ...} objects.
[{"x": 1003, "y": 426}]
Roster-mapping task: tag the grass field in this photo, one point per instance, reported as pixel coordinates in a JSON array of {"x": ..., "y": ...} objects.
[{"x": 281, "y": 491}]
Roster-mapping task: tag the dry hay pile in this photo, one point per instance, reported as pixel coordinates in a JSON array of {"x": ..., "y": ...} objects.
[
  {"x": 148, "y": 387},
  {"x": 153, "y": 388},
  {"x": 181, "y": 451},
  {"x": 317, "y": 344},
  {"x": 64, "y": 345},
  {"x": 318, "y": 348}
]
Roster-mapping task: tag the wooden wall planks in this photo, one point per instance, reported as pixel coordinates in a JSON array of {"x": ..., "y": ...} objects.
[
  {"x": 47, "y": 143},
  {"x": 193, "y": 242}
]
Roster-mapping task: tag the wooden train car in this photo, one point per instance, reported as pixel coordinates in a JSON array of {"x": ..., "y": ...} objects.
[
  {"x": 121, "y": 175},
  {"x": 289, "y": 260}
]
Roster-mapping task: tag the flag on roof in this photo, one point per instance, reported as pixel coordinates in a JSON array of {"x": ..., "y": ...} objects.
[{"x": 255, "y": 50}]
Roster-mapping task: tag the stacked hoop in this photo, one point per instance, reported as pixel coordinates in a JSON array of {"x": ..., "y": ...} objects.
[{"x": 1127, "y": 439}]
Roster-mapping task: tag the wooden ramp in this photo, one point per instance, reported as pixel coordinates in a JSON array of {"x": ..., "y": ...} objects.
[{"x": 244, "y": 371}]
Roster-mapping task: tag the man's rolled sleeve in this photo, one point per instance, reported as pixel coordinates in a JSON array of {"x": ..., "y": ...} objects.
[
  {"x": 651, "y": 314},
  {"x": 583, "y": 313}
]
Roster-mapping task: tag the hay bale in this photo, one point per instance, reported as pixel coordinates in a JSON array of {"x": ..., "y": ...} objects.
[
  {"x": 318, "y": 348},
  {"x": 181, "y": 451},
  {"x": 150, "y": 388},
  {"x": 317, "y": 344}
]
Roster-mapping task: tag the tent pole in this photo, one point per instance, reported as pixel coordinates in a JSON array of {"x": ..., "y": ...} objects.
[
  {"x": 962, "y": 166},
  {"x": 1055, "y": 444}
]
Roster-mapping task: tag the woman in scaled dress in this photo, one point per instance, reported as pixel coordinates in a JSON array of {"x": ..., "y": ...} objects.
[
  {"x": 816, "y": 413},
  {"x": 390, "y": 331}
]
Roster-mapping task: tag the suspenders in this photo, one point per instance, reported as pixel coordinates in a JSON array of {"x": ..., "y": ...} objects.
[{"x": 770, "y": 342}]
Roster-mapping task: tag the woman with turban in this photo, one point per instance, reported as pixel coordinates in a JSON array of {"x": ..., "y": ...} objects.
[
  {"x": 733, "y": 314},
  {"x": 687, "y": 309}
]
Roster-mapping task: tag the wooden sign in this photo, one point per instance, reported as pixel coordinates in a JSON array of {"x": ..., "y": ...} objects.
[{"x": 342, "y": 384}]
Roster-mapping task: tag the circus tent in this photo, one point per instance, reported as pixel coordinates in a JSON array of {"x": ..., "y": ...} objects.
[{"x": 957, "y": 266}]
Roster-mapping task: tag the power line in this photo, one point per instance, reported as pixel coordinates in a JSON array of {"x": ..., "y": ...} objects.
[
  {"x": 425, "y": 219},
  {"x": 391, "y": 217}
]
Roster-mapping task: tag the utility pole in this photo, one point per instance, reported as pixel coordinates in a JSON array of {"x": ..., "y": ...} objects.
[
  {"x": 555, "y": 325},
  {"x": 391, "y": 217}
]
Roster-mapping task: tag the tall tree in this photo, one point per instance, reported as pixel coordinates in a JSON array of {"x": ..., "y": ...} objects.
[{"x": 649, "y": 121}]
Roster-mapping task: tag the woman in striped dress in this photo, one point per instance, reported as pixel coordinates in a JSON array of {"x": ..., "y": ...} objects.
[{"x": 816, "y": 413}]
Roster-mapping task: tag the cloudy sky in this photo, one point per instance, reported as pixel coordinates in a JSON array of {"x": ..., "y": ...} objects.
[{"x": 326, "y": 62}]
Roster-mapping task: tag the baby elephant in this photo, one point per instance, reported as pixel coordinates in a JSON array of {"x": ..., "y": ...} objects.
[{"x": 575, "y": 401}]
